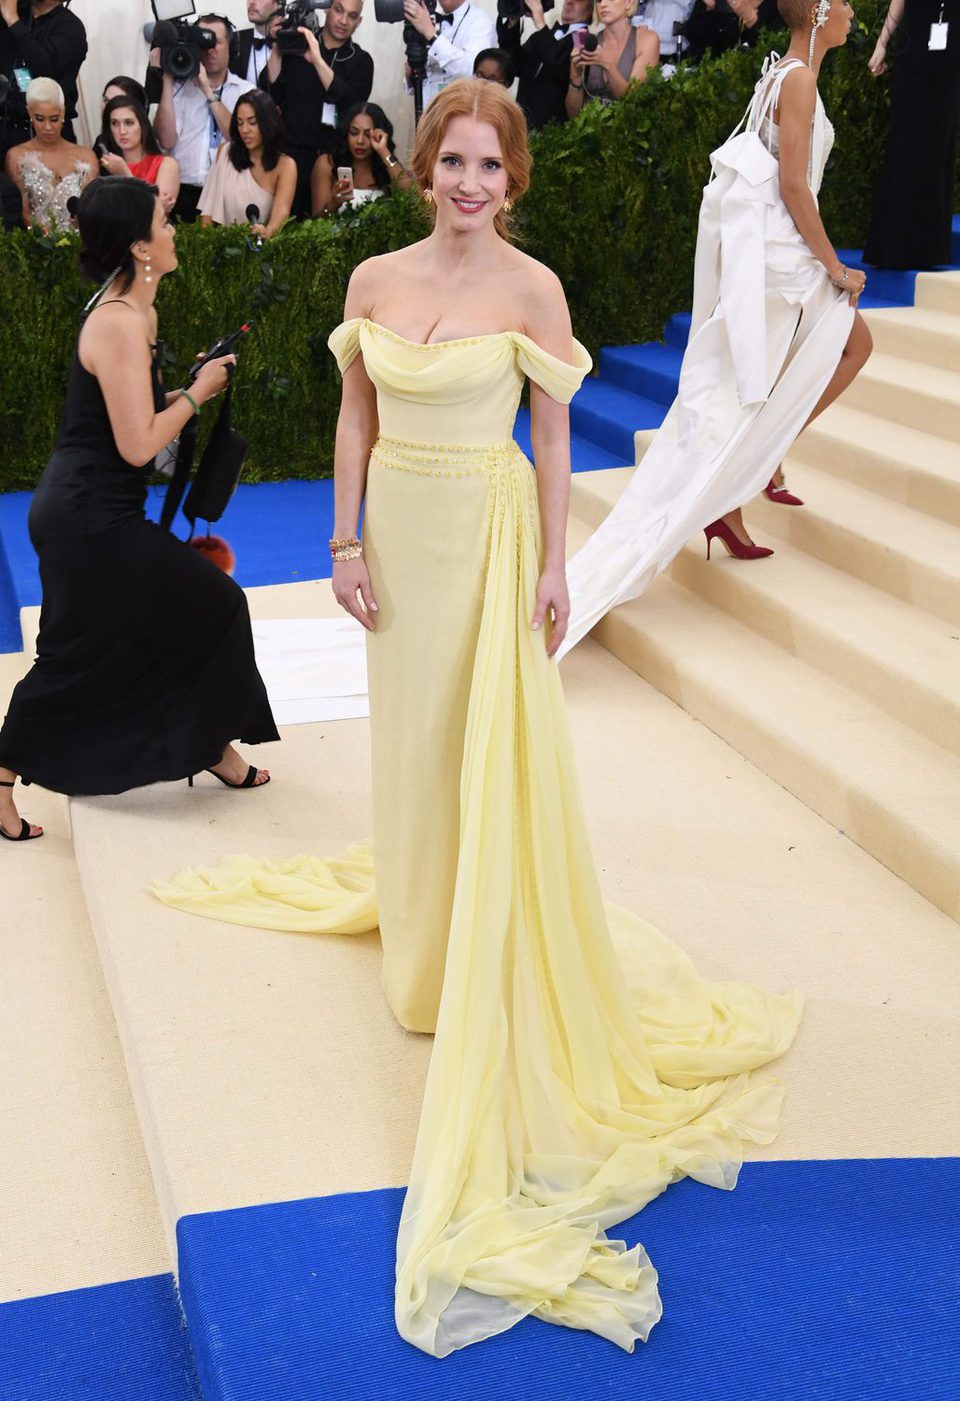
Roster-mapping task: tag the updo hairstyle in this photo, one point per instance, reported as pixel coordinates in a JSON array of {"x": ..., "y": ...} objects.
[{"x": 113, "y": 213}]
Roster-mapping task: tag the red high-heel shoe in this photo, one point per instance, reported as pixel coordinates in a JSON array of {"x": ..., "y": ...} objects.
[
  {"x": 719, "y": 530},
  {"x": 780, "y": 494}
]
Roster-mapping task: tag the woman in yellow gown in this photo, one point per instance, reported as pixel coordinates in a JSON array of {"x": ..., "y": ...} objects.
[{"x": 580, "y": 1065}]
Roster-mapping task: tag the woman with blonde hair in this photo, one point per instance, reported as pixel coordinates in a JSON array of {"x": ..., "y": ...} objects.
[
  {"x": 573, "y": 1075},
  {"x": 48, "y": 169},
  {"x": 623, "y": 56}
]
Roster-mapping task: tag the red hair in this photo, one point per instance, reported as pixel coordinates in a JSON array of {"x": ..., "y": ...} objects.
[{"x": 484, "y": 102}]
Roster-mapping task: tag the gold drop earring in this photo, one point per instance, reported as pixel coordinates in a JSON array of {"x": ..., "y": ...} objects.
[
  {"x": 428, "y": 195},
  {"x": 508, "y": 205}
]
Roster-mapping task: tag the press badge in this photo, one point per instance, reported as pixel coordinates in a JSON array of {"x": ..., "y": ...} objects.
[
  {"x": 938, "y": 34},
  {"x": 24, "y": 78}
]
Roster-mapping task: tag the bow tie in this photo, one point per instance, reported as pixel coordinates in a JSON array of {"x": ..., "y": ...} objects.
[
  {"x": 259, "y": 43},
  {"x": 442, "y": 20}
]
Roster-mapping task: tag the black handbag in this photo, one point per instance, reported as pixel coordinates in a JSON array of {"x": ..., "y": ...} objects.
[{"x": 217, "y": 476}]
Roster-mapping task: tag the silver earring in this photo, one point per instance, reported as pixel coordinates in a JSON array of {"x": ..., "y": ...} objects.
[{"x": 819, "y": 20}]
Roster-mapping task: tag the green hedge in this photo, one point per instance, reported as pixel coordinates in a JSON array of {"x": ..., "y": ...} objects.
[{"x": 612, "y": 209}]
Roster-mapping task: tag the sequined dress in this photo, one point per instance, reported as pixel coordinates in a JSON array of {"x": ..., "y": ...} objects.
[{"x": 48, "y": 193}]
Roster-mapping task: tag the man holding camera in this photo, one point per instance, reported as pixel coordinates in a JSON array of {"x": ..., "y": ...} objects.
[
  {"x": 453, "y": 40},
  {"x": 38, "y": 39},
  {"x": 314, "y": 86},
  {"x": 194, "y": 115},
  {"x": 542, "y": 61},
  {"x": 253, "y": 45}
]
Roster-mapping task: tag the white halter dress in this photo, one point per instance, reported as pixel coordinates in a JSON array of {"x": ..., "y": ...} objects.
[{"x": 767, "y": 332}]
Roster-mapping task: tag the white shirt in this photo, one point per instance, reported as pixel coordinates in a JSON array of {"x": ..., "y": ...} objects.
[
  {"x": 452, "y": 53},
  {"x": 198, "y": 135},
  {"x": 660, "y": 16},
  {"x": 258, "y": 61}
]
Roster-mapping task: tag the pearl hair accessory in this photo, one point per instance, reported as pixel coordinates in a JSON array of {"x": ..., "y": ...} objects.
[{"x": 819, "y": 20}]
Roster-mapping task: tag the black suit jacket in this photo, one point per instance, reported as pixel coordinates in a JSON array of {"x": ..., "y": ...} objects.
[
  {"x": 53, "y": 46},
  {"x": 543, "y": 71},
  {"x": 244, "y": 45}
]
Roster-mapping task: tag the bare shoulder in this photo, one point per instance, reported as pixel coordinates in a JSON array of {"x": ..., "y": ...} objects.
[
  {"x": 543, "y": 307},
  {"x": 85, "y": 156},
  {"x": 370, "y": 277},
  {"x": 115, "y": 336},
  {"x": 798, "y": 90}
]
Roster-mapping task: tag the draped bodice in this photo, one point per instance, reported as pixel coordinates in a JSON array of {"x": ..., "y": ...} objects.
[{"x": 471, "y": 386}]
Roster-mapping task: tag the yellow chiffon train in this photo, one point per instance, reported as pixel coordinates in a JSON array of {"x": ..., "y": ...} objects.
[{"x": 580, "y": 1065}]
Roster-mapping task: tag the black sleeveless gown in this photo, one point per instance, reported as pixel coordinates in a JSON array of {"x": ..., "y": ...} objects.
[
  {"x": 145, "y": 668},
  {"x": 913, "y": 214}
]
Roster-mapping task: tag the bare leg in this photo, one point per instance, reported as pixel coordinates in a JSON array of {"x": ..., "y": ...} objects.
[
  {"x": 9, "y": 816},
  {"x": 853, "y": 357},
  {"x": 234, "y": 767}
]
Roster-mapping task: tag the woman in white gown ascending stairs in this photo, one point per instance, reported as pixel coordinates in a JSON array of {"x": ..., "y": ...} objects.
[{"x": 775, "y": 335}]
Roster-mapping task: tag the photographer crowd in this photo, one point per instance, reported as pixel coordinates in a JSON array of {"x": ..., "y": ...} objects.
[{"x": 309, "y": 142}]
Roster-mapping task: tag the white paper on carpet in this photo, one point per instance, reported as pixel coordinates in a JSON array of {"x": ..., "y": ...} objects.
[{"x": 314, "y": 669}]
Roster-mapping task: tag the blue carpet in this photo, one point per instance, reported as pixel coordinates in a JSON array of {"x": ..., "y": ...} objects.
[
  {"x": 116, "y": 1342},
  {"x": 829, "y": 1280}
]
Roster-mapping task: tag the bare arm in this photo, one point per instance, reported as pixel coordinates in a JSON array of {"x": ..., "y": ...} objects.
[
  {"x": 282, "y": 196},
  {"x": 12, "y": 165},
  {"x": 168, "y": 182},
  {"x": 321, "y": 186},
  {"x": 548, "y": 323},
  {"x": 357, "y": 427},
  {"x": 165, "y": 122},
  {"x": 798, "y": 97},
  {"x": 877, "y": 63},
  {"x": 574, "y": 97},
  {"x": 114, "y": 348}
]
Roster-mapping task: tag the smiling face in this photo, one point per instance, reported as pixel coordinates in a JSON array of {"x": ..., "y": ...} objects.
[
  {"x": 125, "y": 130},
  {"x": 469, "y": 177},
  {"x": 358, "y": 136},
  {"x": 47, "y": 119},
  {"x": 248, "y": 127}
]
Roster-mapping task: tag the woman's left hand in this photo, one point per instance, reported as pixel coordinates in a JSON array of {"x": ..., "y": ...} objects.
[
  {"x": 113, "y": 164},
  {"x": 380, "y": 143},
  {"x": 554, "y": 600}
]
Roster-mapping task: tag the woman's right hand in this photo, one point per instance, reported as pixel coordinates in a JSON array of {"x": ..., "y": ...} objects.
[
  {"x": 354, "y": 592},
  {"x": 877, "y": 62},
  {"x": 342, "y": 192},
  {"x": 213, "y": 378}
]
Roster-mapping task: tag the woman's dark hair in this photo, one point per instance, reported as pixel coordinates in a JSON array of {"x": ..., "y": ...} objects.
[
  {"x": 340, "y": 155},
  {"x": 271, "y": 129},
  {"x": 148, "y": 141},
  {"x": 501, "y": 58},
  {"x": 113, "y": 213},
  {"x": 130, "y": 87}
]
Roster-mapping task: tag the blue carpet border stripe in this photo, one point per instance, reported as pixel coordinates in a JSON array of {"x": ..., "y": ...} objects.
[
  {"x": 111, "y": 1342},
  {"x": 827, "y": 1280}
]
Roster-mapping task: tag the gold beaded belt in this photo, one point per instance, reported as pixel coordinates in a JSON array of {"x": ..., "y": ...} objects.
[{"x": 447, "y": 459}]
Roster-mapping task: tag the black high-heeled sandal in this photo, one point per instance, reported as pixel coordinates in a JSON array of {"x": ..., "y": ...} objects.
[
  {"x": 249, "y": 782},
  {"x": 25, "y": 834}
]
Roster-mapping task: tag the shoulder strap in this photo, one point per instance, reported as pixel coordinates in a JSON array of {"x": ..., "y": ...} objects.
[{"x": 766, "y": 94}]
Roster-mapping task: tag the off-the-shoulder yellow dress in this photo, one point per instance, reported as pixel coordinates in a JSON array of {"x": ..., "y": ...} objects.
[{"x": 580, "y": 1064}]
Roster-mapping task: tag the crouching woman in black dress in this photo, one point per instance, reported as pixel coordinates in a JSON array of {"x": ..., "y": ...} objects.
[{"x": 145, "y": 668}]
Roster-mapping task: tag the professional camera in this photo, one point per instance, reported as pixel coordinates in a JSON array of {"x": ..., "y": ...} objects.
[
  {"x": 298, "y": 14},
  {"x": 180, "y": 43},
  {"x": 511, "y": 9},
  {"x": 391, "y": 12}
]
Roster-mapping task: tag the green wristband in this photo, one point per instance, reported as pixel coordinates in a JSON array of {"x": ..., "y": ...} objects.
[{"x": 191, "y": 401}]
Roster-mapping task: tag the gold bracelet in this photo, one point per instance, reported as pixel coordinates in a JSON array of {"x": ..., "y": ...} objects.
[{"x": 342, "y": 551}]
